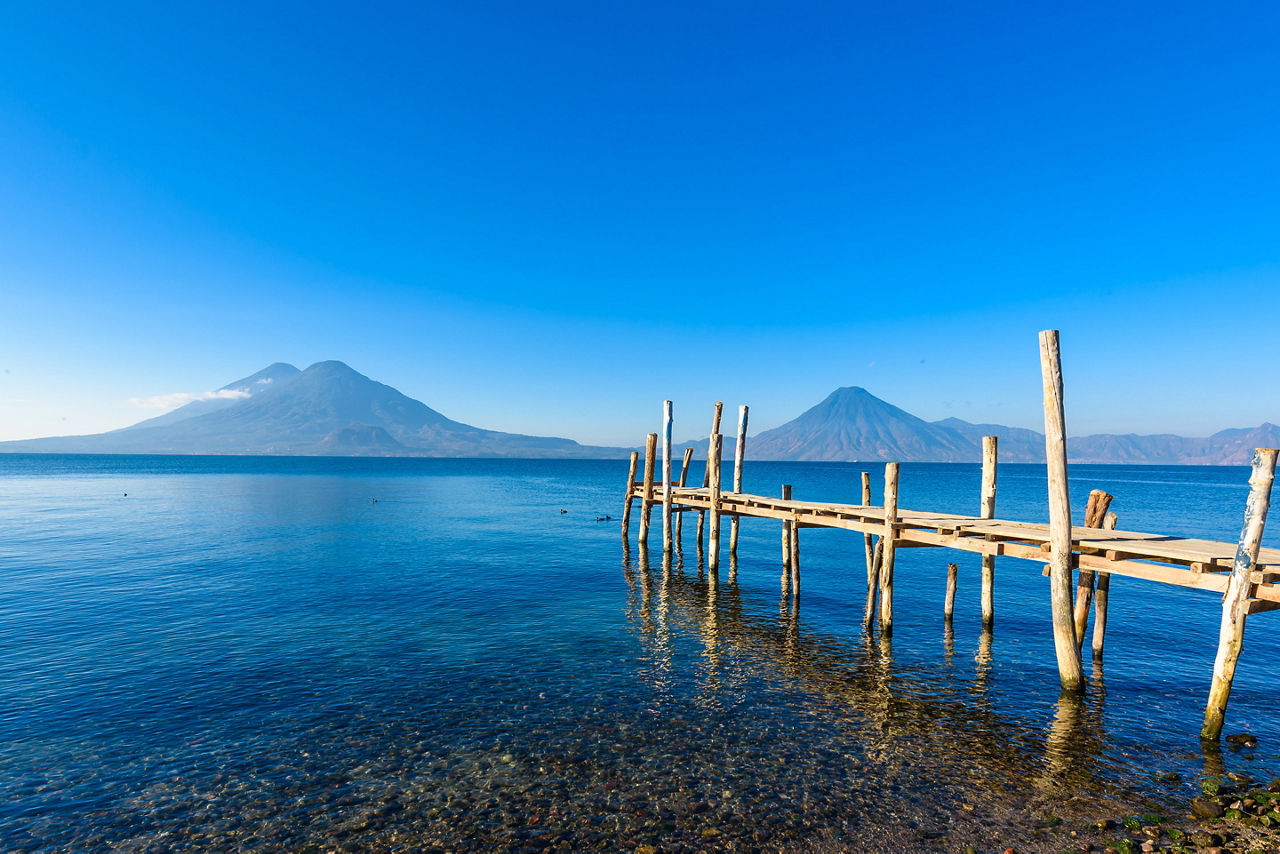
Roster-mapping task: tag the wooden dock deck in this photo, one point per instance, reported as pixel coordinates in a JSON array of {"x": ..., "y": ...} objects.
[
  {"x": 1183, "y": 561},
  {"x": 1246, "y": 575}
]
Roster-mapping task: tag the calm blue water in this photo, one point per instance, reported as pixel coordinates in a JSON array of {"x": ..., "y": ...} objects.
[{"x": 253, "y": 653}]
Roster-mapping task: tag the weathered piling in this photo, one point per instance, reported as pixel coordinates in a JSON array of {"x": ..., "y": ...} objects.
[
  {"x": 713, "y": 534},
  {"x": 684, "y": 475},
  {"x": 1094, "y": 513},
  {"x": 888, "y": 540},
  {"x": 646, "y": 499},
  {"x": 795, "y": 555},
  {"x": 631, "y": 487},
  {"x": 1235, "y": 605},
  {"x": 949, "y": 601},
  {"x": 786, "y": 541},
  {"x": 1100, "y": 600},
  {"x": 666, "y": 476},
  {"x": 987, "y": 510},
  {"x": 1064, "y": 635},
  {"x": 706, "y": 474},
  {"x": 868, "y": 540},
  {"x": 873, "y": 586},
  {"x": 739, "y": 452}
]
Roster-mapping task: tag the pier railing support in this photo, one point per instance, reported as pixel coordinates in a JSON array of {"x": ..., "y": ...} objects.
[
  {"x": 739, "y": 452},
  {"x": 666, "y": 476},
  {"x": 987, "y": 510},
  {"x": 1055, "y": 439},
  {"x": 706, "y": 474},
  {"x": 786, "y": 542},
  {"x": 631, "y": 489},
  {"x": 1235, "y": 604},
  {"x": 713, "y": 532},
  {"x": 1100, "y": 600},
  {"x": 684, "y": 475},
  {"x": 873, "y": 587},
  {"x": 646, "y": 498},
  {"x": 1094, "y": 513},
  {"x": 887, "y": 539}
]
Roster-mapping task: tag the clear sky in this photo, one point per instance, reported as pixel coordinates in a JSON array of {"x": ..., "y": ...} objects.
[{"x": 548, "y": 217}]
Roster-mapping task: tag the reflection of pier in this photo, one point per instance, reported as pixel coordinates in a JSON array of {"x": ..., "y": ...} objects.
[
  {"x": 904, "y": 722},
  {"x": 1247, "y": 575}
]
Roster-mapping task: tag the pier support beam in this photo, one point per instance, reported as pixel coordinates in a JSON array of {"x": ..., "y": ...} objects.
[
  {"x": 706, "y": 474},
  {"x": 1100, "y": 600},
  {"x": 684, "y": 474},
  {"x": 887, "y": 540},
  {"x": 666, "y": 476},
  {"x": 1235, "y": 604},
  {"x": 873, "y": 587},
  {"x": 786, "y": 542},
  {"x": 713, "y": 533},
  {"x": 1094, "y": 513},
  {"x": 987, "y": 510},
  {"x": 949, "y": 601},
  {"x": 795, "y": 555},
  {"x": 646, "y": 499},
  {"x": 739, "y": 452},
  {"x": 1055, "y": 438},
  {"x": 868, "y": 540},
  {"x": 631, "y": 488}
]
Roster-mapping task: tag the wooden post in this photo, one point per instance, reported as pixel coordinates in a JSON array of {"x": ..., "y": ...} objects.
[
  {"x": 1100, "y": 600},
  {"x": 795, "y": 556},
  {"x": 949, "y": 602},
  {"x": 873, "y": 591},
  {"x": 713, "y": 534},
  {"x": 1055, "y": 440},
  {"x": 666, "y": 476},
  {"x": 987, "y": 510},
  {"x": 1235, "y": 605},
  {"x": 646, "y": 499},
  {"x": 868, "y": 540},
  {"x": 684, "y": 474},
  {"x": 786, "y": 541},
  {"x": 1094, "y": 512},
  {"x": 706, "y": 474},
  {"x": 887, "y": 538},
  {"x": 739, "y": 451},
  {"x": 631, "y": 488}
]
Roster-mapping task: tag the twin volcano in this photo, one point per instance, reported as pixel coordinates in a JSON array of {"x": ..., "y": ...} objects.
[
  {"x": 328, "y": 409},
  {"x": 331, "y": 410}
]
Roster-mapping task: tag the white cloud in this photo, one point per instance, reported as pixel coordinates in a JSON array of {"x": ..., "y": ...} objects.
[{"x": 181, "y": 398}]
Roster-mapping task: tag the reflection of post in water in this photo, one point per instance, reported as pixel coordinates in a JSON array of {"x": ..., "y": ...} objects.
[
  {"x": 646, "y": 589},
  {"x": 982, "y": 661},
  {"x": 733, "y": 568},
  {"x": 948, "y": 644},
  {"x": 1213, "y": 764},
  {"x": 1073, "y": 745}
]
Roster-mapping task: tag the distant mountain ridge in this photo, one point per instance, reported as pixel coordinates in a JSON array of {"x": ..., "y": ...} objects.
[
  {"x": 853, "y": 424},
  {"x": 331, "y": 410},
  {"x": 328, "y": 409}
]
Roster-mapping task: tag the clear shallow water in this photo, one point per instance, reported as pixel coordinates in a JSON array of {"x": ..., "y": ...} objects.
[{"x": 250, "y": 652}]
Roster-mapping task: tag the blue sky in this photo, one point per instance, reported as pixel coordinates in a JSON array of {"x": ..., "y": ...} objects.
[{"x": 549, "y": 217}]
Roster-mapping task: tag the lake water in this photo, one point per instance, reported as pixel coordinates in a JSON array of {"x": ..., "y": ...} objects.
[{"x": 254, "y": 653}]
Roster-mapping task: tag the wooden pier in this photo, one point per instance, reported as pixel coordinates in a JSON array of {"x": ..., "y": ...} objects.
[{"x": 1244, "y": 574}]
